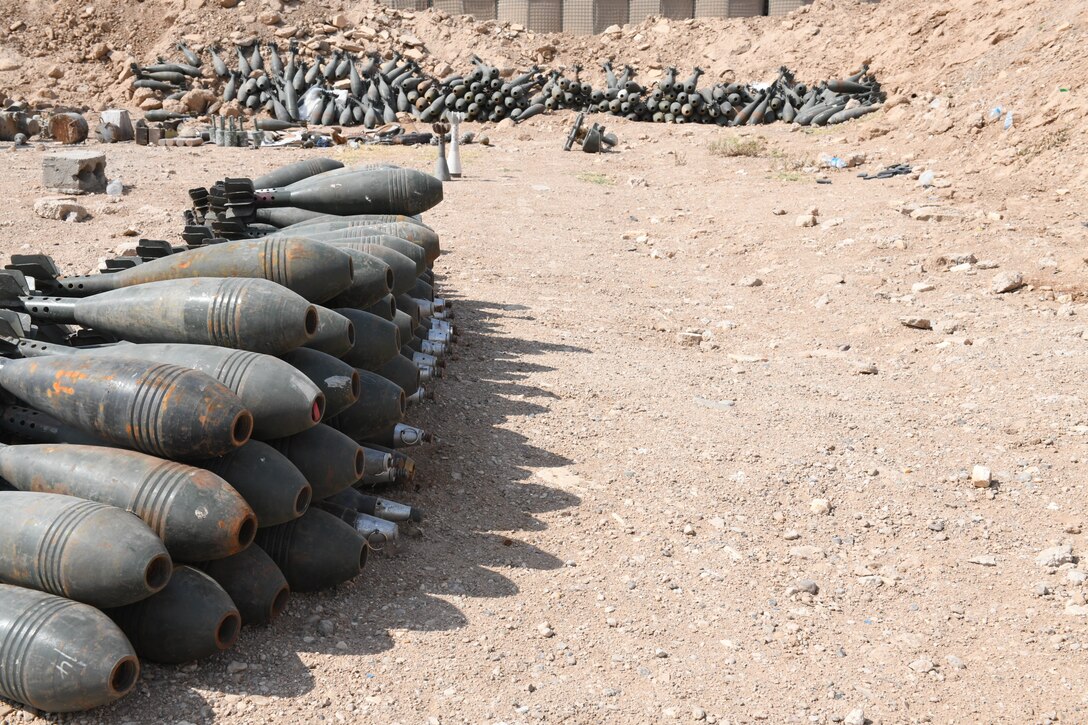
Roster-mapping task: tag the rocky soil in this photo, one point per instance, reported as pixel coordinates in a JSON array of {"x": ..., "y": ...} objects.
[
  {"x": 722, "y": 443},
  {"x": 947, "y": 64}
]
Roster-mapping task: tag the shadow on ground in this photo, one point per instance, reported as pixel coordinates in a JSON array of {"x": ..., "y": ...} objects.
[{"x": 480, "y": 504}]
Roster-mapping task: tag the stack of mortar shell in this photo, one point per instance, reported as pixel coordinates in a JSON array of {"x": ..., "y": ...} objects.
[
  {"x": 188, "y": 436},
  {"x": 341, "y": 90}
]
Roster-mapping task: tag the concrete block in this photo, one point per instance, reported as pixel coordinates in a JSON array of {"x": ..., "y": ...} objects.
[
  {"x": 120, "y": 118},
  {"x": 75, "y": 172}
]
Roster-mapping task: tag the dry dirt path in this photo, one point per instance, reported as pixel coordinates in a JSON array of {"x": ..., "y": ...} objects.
[{"x": 625, "y": 527}]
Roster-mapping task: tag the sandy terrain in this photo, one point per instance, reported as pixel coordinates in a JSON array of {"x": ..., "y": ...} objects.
[{"x": 665, "y": 493}]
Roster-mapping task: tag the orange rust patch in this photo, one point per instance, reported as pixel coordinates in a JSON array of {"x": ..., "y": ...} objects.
[
  {"x": 59, "y": 389},
  {"x": 61, "y": 377}
]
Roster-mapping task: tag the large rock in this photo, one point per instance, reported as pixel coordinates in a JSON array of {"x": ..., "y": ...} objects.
[
  {"x": 75, "y": 172},
  {"x": 1055, "y": 556},
  {"x": 197, "y": 100},
  {"x": 1006, "y": 282},
  {"x": 60, "y": 208}
]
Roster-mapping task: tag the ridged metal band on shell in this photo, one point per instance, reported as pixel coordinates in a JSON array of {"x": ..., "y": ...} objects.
[
  {"x": 234, "y": 368},
  {"x": 274, "y": 256},
  {"x": 50, "y": 555},
  {"x": 402, "y": 230},
  {"x": 222, "y": 322},
  {"x": 130, "y": 619},
  {"x": 153, "y": 497},
  {"x": 276, "y": 542},
  {"x": 400, "y": 186},
  {"x": 146, "y": 415},
  {"x": 15, "y": 647}
]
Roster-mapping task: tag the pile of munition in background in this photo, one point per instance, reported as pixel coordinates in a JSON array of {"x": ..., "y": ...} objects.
[
  {"x": 195, "y": 432},
  {"x": 340, "y": 90}
]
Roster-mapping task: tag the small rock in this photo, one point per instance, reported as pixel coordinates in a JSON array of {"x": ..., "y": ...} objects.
[
  {"x": 127, "y": 249},
  {"x": 698, "y": 713},
  {"x": 820, "y": 506},
  {"x": 955, "y": 662},
  {"x": 805, "y": 220},
  {"x": 957, "y": 258},
  {"x": 1076, "y": 607},
  {"x": 985, "y": 560},
  {"x": 922, "y": 665},
  {"x": 1055, "y": 556},
  {"x": 339, "y": 21},
  {"x": 234, "y": 667},
  {"x": 1007, "y": 282},
  {"x": 660, "y": 653},
  {"x": 326, "y": 627},
  {"x": 949, "y": 327},
  {"x": 778, "y": 211},
  {"x": 791, "y": 535},
  {"x": 917, "y": 323},
  {"x": 749, "y": 282},
  {"x": 855, "y": 717},
  {"x": 807, "y": 552},
  {"x": 689, "y": 530},
  {"x": 933, "y": 214},
  {"x": 1040, "y": 590},
  {"x": 55, "y": 71},
  {"x": 689, "y": 339},
  {"x": 981, "y": 477},
  {"x": 269, "y": 17},
  {"x": 545, "y": 630},
  {"x": 920, "y": 287},
  {"x": 60, "y": 208},
  {"x": 806, "y": 585}
]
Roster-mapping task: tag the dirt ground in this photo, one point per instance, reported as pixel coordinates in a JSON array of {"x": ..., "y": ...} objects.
[{"x": 665, "y": 491}]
